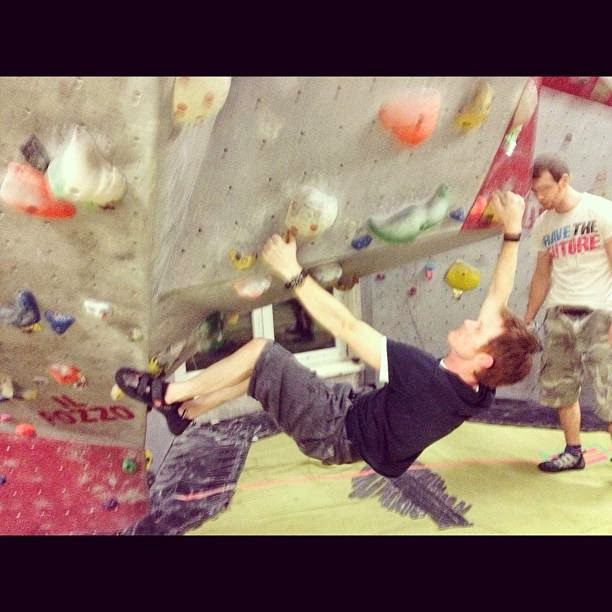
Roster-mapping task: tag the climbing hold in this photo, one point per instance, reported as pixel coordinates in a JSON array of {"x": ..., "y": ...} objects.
[
  {"x": 31, "y": 328},
  {"x": 361, "y": 242},
  {"x": 110, "y": 504},
  {"x": 59, "y": 322},
  {"x": 429, "y": 268},
  {"x": 136, "y": 334},
  {"x": 509, "y": 143},
  {"x": 153, "y": 367},
  {"x": 81, "y": 174},
  {"x": 97, "y": 308},
  {"x": 311, "y": 212},
  {"x": 488, "y": 214},
  {"x": 436, "y": 208},
  {"x": 523, "y": 113},
  {"x": 3, "y": 479},
  {"x": 5, "y": 417},
  {"x": 28, "y": 394},
  {"x": 457, "y": 213},
  {"x": 346, "y": 283},
  {"x": 148, "y": 458},
  {"x": 129, "y": 465},
  {"x": 461, "y": 277},
  {"x": 380, "y": 276},
  {"x": 408, "y": 223},
  {"x": 399, "y": 227},
  {"x": 411, "y": 117},
  {"x": 25, "y": 430},
  {"x": 241, "y": 261},
  {"x": 196, "y": 98},
  {"x": 116, "y": 393},
  {"x": 65, "y": 374},
  {"x": 412, "y": 291},
  {"x": 35, "y": 154},
  {"x": 477, "y": 109},
  {"x": 327, "y": 274},
  {"x": 24, "y": 313},
  {"x": 252, "y": 288},
  {"x": 232, "y": 318},
  {"x": 25, "y": 189},
  {"x": 7, "y": 389}
]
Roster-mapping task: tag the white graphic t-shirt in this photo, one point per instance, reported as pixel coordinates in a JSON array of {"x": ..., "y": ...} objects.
[{"x": 581, "y": 274}]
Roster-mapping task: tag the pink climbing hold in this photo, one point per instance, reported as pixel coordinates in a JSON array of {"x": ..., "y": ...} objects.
[
  {"x": 25, "y": 189},
  {"x": 5, "y": 417}
]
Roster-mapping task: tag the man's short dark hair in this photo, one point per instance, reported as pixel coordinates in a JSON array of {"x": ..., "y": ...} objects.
[{"x": 556, "y": 165}]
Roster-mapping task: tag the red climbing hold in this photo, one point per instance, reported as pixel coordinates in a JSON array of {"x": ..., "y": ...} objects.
[{"x": 25, "y": 189}]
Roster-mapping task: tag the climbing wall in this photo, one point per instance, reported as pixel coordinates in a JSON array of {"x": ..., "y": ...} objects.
[
  {"x": 407, "y": 304},
  {"x": 350, "y": 140},
  {"x": 78, "y": 175},
  {"x": 132, "y": 210}
]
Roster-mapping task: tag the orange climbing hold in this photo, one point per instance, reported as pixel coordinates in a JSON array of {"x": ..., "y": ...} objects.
[
  {"x": 65, "y": 374},
  {"x": 25, "y": 189},
  {"x": 26, "y": 430},
  {"x": 411, "y": 117}
]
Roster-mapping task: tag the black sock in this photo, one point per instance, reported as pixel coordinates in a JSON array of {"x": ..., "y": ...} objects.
[{"x": 574, "y": 449}]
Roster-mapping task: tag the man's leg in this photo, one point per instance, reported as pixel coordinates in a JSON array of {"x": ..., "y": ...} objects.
[
  {"x": 569, "y": 418},
  {"x": 226, "y": 373},
  {"x": 192, "y": 409},
  {"x": 560, "y": 381}
]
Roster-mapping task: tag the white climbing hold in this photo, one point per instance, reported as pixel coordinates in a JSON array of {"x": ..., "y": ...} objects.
[
  {"x": 196, "y": 98},
  {"x": 81, "y": 174},
  {"x": 311, "y": 212}
]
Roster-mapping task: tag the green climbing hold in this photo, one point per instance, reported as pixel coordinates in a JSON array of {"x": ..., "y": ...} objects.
[{"x": 129, "y": 466}]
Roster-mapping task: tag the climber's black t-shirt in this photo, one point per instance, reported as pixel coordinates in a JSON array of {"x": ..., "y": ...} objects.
[{"x": 422, "y": 402}]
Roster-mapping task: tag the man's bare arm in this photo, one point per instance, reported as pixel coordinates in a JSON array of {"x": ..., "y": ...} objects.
[
  {"x": 363, "y": 340},
  {"x": 509, "y": 207},
  {"x": 540, "y": 285}
]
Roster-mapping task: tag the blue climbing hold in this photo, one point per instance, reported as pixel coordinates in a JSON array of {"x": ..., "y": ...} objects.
[
  {"x": 458, "y": 214},
  {"x": 59, "y": 322},
  {"x": 24, "y": 313},
  {"x": 361, "y": 242},
  {"x": 3, "y": 479}
]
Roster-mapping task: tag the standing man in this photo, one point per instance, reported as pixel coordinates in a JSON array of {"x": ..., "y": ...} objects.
[{"x": 573, "y": 238}]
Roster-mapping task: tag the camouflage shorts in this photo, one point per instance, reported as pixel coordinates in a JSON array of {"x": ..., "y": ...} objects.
[{"x": 574, "y": 347}]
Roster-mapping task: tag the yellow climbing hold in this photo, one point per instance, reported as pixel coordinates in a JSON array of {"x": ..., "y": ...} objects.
[
  {"x": 461, "y": 277},
  {"x": 232, "y": 318},
  {"x": 153, "y": 367},
  {"x": 29, "y": 394},
  {"x": 35, "y": 327},
  {"x": 241, "y": 261},
  {"x": 116, "y": 393},
  {"x": 477, "y": 109},
  {"x": 148, "y": 458}
]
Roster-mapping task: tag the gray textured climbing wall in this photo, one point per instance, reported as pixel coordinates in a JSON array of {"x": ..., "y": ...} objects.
[
  {"x": 159, "y": 255},
  {"x": 99, "y": 254},
  {"x": 577, "y": 128},
  {"x": 275, "y": 135}
]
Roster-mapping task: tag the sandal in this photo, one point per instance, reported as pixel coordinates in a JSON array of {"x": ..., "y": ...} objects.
[{"x": 151, "y": 391}]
